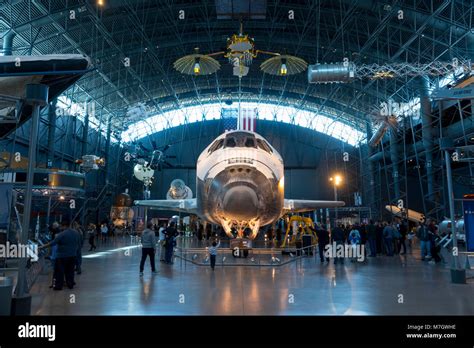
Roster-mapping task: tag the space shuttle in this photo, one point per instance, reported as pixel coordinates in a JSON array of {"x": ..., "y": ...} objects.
[{"x": 240, "y": 184}]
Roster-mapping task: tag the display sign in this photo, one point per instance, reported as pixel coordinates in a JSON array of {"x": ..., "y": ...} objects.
[{"x": 468, "y": 208}]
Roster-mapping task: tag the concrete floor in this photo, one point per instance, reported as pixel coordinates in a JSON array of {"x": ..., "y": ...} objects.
[{"x": 110, "y": 285}]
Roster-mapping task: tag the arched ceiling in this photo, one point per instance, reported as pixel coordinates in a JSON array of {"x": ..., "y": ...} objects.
[{"x": 151, "y": 34}]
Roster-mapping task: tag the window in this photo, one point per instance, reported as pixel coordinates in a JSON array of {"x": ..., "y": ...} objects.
[
  {"x": 216, "y": 146},
  {"x": 327, "y": 123},
  {"x": 250, "y": 142},
  {"x": 264, "y": 146},
  {"x": 230, "y": 142}
]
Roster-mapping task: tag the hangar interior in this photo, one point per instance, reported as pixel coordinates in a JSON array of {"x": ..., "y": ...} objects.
[{"x": 104, "y": 104}]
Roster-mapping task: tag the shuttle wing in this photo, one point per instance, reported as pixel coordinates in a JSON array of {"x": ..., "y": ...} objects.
[
  {"x": 302, "y": 205},
  {"x": 182, "y": 205}
]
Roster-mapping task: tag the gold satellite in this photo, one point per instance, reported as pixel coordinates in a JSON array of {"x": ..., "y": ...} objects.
[{"x": 240, "y": 53}]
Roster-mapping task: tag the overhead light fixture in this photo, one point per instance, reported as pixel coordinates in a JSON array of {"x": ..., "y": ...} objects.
[
  {"x": 100, "y": 2},
  {"x": 197, "y": 68},
  {"x": 283, "y": 69}
]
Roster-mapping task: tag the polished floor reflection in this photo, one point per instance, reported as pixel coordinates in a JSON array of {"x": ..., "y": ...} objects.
[{"x": 110, "y": 285}]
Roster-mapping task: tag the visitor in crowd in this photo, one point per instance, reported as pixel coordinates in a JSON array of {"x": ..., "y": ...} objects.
[
  {"x": 77, "y": 227},
  {"x": 278, "y": 236},
  {"x": 54, "y": 229},
  {"x": 410, "y": 237},
  {"x": 170, "y": 234},
  {"x": 395, "y": 238},
  {"x": 68, "y": 242},
  {"x": 323, "y": 239},
  {"x": 148, "y": 247},
  {"x": 379, "y": 237},
  {"x": 91, "y": 235},
  {"x": 425, "y": 244},
  {"x": 363, "y": 238},
  {"x": 388, "y": 238},
  {"x": 104, "y": 230},
  {"x": 435, "y": 249},
  {"x": 372, "y": 237},
  {"x": 299, "y": 241},
  {"x": 339, "y": 238},
  {"x": 403, "y": 236},
  {"x": 354, "y": 239},
  {"x": 213, "y": 252},
  {"x": 162, "y": 237}
]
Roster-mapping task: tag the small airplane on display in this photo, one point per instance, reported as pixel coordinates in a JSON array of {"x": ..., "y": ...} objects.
[{"x": 240, "y": 184}]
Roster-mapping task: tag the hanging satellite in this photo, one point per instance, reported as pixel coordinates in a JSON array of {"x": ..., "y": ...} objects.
[
  {"x": 385, "y": 122},
  {"x": 144, "y": 173},
  {"x": 90, "y": 162},
  {"x": 240, "y": 52}
]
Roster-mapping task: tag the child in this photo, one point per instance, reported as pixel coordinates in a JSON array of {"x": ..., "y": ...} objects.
[{"x": 213, "y": 253}]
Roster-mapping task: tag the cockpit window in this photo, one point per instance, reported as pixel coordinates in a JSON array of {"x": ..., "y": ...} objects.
[
  {"x": 264, "y": 146},
  {"x": 217, "y": 145},
  {"x": 250, "y": 142},
  {"x": 230, "y": 142}
]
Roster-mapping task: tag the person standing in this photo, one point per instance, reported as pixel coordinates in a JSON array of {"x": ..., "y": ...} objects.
[
  {"x": 372, "y": 237},
  {"x": 213, "y": 253},
  {"x": 396, "y": 238},
  {"x": 403, "y": 237},
  {"x": 338, "y": 237},
  {"x": 323, "y": 240},
  {"x": 162, "y": 237},
  {"x": 379, "y": 237},
  {"x": 148, "y": 247},
  {"x": 425, "y": 244},
  {"x": 170, "y": 234},
  {"x": 278, "y": 236},
  {"x": 388, "y": 238},
  {"x": 104, "y": 230},
  {"x": 354, "y": 239},
  {"x": 80, "y": 231},
  {"x": 91, "y": 236},
  {"x": 68, "y": 242}
]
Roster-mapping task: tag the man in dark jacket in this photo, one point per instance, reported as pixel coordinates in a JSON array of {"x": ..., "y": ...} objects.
[
  {"x": 323, "y": 240},
  {"x": 338, "y": 237},
  {"x": 403, "y": 237},
  {"x": 68, "y": 242},
  {"x": 170, "y": 234},
  {"x": 372, "y": 237}
]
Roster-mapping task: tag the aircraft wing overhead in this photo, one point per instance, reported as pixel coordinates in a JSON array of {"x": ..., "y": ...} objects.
[
  {"x": 302, "y": 205},
  {"x": 182, "y": 205}
]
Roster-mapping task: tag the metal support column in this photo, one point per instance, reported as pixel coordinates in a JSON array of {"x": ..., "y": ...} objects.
[
  {"x": 37, "y": 96},
  {"x": 85, "y": 130},
  {"x": 427, "y": 135},
  {"x": 51, "y": 132},
  {"x": 394, "y": 157}
]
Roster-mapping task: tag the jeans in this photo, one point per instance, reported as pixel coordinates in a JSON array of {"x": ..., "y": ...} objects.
[
  {"x": 92, "y": 243},
  {"x": 373, "y": 247},
  {"x": 148, "y": 252},
  {"x": 64, "y": 268},
  {"x": 169, "y": 252},
  {"x": 401, "y": 244},
  {"x": 425, "y": 246},
  {"x": 213, "y": 261},
  {"x": 389, "y": 246},
  {"x": 341, "y": 259}
]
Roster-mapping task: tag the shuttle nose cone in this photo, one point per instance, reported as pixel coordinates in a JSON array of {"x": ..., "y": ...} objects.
[{"x": 240, "y": 203}]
